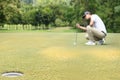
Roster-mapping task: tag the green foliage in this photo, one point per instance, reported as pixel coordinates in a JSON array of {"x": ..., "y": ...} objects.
[
  {"x": 61, "y": 23},
  {"x": 28, "y": 14},
  {"x": 117, "y": 9},
  {"x": 9, "y": 11},
  {"x": 59, "y": 12}
]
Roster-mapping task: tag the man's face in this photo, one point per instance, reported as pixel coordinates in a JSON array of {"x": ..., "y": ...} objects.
[{"x": 87, "y": 16}]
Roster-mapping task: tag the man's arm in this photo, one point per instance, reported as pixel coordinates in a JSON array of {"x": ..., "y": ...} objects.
[
  {"x": 91, "y": 23},
  {"x": 81, "y": 27},
  {"x": 84, "y": 28}
]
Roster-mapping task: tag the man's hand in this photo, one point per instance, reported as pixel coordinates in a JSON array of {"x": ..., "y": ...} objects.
[
  {"x": 78, "y": 25},
  {"x": 82, "y": 28}
]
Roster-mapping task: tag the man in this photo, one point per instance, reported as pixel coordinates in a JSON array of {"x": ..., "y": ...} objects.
[{"x": 96, "y": 30}]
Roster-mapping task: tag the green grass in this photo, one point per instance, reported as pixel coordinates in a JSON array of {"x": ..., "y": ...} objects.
[
  {"x": 52, "y": 56},
  {"x": 55, "y": 29}
]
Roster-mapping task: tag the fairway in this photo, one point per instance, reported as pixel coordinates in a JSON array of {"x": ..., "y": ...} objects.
[{"x": 52, "y": 56}]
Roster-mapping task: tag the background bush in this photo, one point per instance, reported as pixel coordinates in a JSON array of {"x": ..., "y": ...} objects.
[{"x": 59, "y": 13}]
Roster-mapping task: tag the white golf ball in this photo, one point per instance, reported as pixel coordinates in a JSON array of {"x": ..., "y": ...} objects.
[{"x": 74, "y": 43}]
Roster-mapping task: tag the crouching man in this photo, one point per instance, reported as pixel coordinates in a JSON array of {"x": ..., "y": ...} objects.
[{"x": 96, "y": 31}]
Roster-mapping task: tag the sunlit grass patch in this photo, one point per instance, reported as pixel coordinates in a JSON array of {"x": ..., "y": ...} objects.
[{"x": 52, "y": 56}]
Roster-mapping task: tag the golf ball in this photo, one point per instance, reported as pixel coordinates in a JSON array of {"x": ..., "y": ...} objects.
[{"x": 74, "y": 43}]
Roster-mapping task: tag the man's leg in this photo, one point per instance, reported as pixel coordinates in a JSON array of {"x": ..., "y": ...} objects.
[
  {"x": 90, "y": 34},
  {"x": 94, "y": 34},
  {"x": 90, "y": 42},
  {"x": 86, "y": 36}
]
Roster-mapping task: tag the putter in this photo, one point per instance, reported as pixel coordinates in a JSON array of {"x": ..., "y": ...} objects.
[{"x": 75, "y": 42}]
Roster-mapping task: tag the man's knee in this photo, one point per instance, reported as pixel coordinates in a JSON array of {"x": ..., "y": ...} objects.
[{"x": 89, "y": 28}]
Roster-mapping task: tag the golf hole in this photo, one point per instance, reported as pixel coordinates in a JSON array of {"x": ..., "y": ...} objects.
[{"x": 12, "y": 74}]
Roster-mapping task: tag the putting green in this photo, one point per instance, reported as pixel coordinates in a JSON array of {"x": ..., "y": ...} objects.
[{"x": 52, "y": 56}]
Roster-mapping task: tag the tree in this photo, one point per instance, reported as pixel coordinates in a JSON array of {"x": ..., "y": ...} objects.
[{"x": 9, "y": 9}]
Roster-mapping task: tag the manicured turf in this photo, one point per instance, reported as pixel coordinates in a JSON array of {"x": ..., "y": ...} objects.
[{"x": 52, "y": 56}]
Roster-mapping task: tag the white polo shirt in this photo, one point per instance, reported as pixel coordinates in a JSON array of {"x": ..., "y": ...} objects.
[{"x": 98, "y": 23}]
